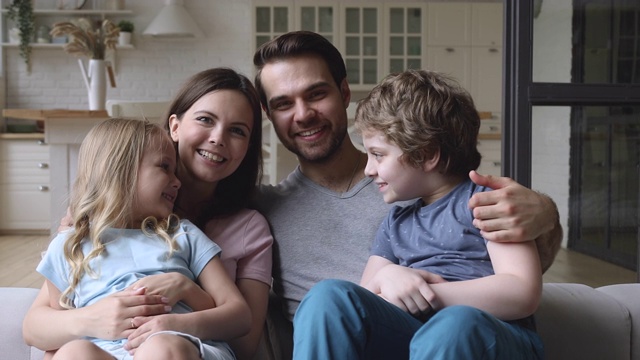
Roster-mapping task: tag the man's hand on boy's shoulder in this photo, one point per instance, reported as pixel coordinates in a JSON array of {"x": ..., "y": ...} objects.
[{"x": 511, "y": 212}]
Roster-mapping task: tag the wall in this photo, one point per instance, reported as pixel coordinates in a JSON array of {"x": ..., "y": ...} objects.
[
  {"x": 153, "y": 71},
  {"x": 551, "y": 125}
]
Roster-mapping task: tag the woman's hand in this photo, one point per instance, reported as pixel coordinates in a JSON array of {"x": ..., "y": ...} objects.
[
  {"x": 147, "y": 326},
  {"x": 111, "y": 318},
  {"x": 48, "y": 328}
]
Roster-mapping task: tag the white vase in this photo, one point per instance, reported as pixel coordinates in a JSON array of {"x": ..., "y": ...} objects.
[
  {"x": 124, "y": 38},
  {"x": 97, "y": 88}
]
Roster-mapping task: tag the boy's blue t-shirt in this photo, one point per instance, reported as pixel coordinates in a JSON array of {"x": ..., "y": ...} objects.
[{"x": 439, "y": 237}]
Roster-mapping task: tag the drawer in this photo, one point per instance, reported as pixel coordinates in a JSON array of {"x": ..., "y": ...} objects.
[
  {"x": 20, "y": 150},
  {"x": 490, "y": 126},
  {"x": 24, "y": 207},
  {"x": 25, "y": 172}
]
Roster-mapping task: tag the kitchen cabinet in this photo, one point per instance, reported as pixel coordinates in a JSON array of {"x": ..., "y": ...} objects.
[
  {"x": 63, "y": 134},
  {"x": 486, "y": 24},
  {"x": 454, "y": 61},
  {"x": 270, "y": 20},
  {"x": 48, "y": 17},
  {"x": 320, "y": 18},
  {"x": 449, "y": 24},
  {"x": 405, "y": 39},
  {"x": 24, "y": 184},
  {"x": 486, "y": 78},
  {"x": 486, "y": 56},
  {"x": 362, "y": 47}
]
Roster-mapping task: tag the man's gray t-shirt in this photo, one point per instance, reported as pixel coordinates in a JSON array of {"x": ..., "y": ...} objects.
[{"x": 319, "y": 234}]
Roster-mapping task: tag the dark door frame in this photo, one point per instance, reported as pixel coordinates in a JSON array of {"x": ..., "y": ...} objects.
[{"x": 520, "y": 93}]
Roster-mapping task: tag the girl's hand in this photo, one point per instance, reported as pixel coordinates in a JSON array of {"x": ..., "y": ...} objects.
[
  {"x": 171, "y": 285},
  {"x": 111, "y": 317},
  {"x": 176, "y": 287},
  {"x": 147, "y": 326}
]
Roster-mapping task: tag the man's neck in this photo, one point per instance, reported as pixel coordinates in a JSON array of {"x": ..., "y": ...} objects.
[{"x": 340, "y": 172}]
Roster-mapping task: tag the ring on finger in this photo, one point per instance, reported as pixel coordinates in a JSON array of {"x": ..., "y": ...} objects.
[{"x": 133, "y": 326}]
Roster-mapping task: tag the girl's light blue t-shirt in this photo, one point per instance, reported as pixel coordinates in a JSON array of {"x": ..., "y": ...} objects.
[{"x": 129, "y": 256}]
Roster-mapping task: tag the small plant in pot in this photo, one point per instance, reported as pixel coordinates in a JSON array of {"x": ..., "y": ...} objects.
[
  {"x": 21, "y": 13},
  {"x": 126, "y": 29}
]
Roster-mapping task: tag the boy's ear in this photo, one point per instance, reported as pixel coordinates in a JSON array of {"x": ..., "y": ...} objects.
[{"x": 431, "y": 163}]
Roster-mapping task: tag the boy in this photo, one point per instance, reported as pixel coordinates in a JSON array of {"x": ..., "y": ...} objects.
[{"x": 420, "y": 132}]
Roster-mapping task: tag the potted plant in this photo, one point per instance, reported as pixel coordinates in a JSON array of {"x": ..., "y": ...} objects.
[
  {"x": 126, "y": 29},
  {"x": 90, "y": 39},
  {"x": 21, "y": 13}
]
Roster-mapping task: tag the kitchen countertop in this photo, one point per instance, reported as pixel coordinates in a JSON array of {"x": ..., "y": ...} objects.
[
  {"x": 52, "y": 114},
  {"x": 22, "y": 136}
]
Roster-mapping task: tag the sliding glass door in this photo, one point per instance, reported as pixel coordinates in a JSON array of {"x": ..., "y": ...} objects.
[{"x": 572, "y": 116}]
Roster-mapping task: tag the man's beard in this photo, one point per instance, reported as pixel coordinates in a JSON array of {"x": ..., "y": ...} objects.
[{"x": 319, "y": 157}]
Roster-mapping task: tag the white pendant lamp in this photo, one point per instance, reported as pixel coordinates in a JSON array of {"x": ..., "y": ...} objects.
[{"x": 173, "y": 21}]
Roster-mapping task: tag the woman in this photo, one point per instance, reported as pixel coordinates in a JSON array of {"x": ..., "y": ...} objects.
[{"x": 215, "y": 123}]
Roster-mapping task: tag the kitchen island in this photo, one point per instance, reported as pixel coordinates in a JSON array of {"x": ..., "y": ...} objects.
[{"x": 64, "y": 131}]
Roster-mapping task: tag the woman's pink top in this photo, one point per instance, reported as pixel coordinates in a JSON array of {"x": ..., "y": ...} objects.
[{"x": 246, "y": 240}]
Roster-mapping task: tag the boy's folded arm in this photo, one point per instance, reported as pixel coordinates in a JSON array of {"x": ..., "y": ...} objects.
[{"x": 512, "y": 293}]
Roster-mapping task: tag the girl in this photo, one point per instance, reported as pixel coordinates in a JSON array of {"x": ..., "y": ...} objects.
[
  {"x": 123, "y": 230},
  {"x": 216, "y": 106}
]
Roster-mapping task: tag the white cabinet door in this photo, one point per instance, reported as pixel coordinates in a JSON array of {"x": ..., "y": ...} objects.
[
  {"x": 449, "y": 24},
  {"x": 24, "y": 185},
  {"x": 486, "y": 82},
  {"x": 362, "y": 45},
  {"x": 25, "y": 207},
  {"x": 486, "y": 24},
  {"x": 270, "y": 20},
  {"x": 320, "y": 18},
  {"x": 405, "y": 40},
  {"x": 454, "y": 61}
]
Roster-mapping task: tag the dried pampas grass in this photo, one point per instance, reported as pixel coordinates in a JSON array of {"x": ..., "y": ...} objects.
[{"x": 84, "y": 39}]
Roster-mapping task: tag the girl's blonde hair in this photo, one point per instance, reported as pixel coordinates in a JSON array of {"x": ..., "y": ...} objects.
[{"x": 104, "y": 192}]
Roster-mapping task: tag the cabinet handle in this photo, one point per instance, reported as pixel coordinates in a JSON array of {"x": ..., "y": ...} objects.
[
  {"x": 41, "y": 142},
  {"x": 497, "y": 163},
  {"x": 450, "y": 49},
  {"x": 493, "y": 128},
  {"x": 43, "y": 188},
  {"x": 493, "y": 50},
  {"x": 43, "y": 165}
]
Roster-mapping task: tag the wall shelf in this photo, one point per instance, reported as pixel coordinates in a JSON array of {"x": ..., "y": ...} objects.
[
  {"x": 59, "y": 46},
  {"x": 75, "y": 13}
]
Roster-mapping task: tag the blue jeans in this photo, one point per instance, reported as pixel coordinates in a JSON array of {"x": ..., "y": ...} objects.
[{"x": 341, "y": 320}]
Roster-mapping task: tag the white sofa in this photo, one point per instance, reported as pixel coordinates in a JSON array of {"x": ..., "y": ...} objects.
[{"x": 574, "y": 320}]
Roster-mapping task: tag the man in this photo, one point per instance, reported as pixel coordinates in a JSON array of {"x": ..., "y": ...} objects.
[{"x": 324, "y": 216}]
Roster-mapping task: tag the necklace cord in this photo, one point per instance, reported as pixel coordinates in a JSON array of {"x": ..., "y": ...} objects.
[{"x": 353, "y": 173}]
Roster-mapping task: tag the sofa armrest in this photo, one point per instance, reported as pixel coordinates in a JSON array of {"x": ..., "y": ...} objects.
[
  {"x": 576, "y": 321},
  {"x": 15, "y": 303},
  {"x": 629, "y": 296}
]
